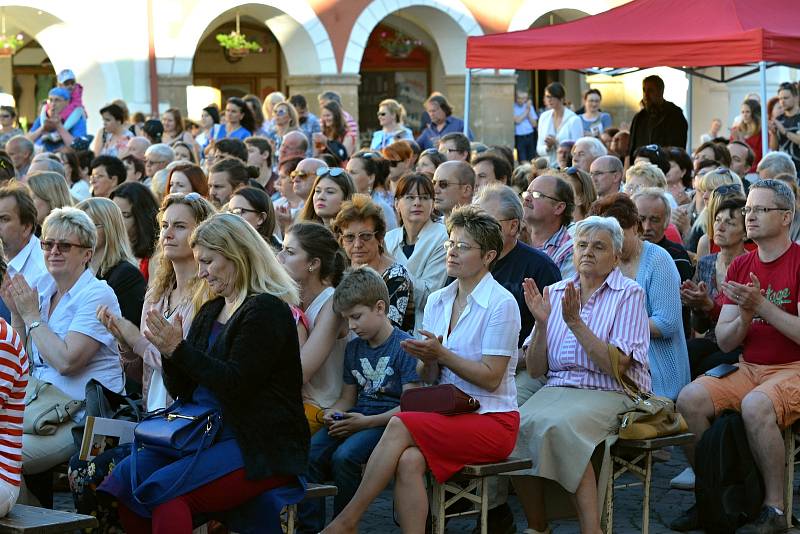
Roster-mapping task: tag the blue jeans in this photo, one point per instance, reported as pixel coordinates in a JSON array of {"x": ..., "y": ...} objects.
[{"x": 340, "y": 460}]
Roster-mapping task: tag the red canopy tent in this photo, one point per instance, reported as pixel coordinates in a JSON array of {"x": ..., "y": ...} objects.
[{"x": 649, "y": 33}]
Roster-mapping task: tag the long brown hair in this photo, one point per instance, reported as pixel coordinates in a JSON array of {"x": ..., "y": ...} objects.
[{"x": 338, "y": 129}]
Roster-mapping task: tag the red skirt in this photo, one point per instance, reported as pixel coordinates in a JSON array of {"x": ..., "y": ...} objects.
[{"x": 449, "y": 442}]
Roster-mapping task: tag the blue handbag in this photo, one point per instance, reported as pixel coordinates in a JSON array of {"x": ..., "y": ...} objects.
[{"x": 181, "y": 430}]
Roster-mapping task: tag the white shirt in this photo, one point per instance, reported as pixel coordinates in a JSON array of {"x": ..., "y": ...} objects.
[
  {"x": 324, "y": 388},
  {"x": 30, "y": 263},
  {"x": 488, "y": 326},
  {"x": 76, "y": 312},
  {"x": 571, "y": 129},
  {"x": 426, "y": 264}
]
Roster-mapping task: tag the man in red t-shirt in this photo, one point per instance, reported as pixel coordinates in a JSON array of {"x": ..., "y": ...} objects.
[{"x": 760, "y": 312}]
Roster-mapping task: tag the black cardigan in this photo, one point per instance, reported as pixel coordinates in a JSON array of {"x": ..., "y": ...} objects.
[
  {"x": 128, "y": 284},
  {"x": 254, "y": 370}
]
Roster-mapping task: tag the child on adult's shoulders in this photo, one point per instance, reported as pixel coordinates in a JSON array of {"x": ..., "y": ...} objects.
[{"x": 376, "y": 372}]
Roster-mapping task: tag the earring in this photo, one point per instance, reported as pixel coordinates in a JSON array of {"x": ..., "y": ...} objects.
[{"x": 311, "y": 269}]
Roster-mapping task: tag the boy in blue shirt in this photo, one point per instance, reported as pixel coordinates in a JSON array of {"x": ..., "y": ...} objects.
[{"x": 376, "y": 372}]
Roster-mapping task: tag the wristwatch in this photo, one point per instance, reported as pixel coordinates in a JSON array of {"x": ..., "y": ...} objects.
[{"x": 34, "y": 324}]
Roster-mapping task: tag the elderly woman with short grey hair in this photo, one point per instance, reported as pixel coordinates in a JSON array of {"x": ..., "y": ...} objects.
[
  {"x": 579, "y": 322},
  {"x": 67, "y": 344}
]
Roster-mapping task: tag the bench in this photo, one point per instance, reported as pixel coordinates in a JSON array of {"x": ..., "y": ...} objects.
[
  {"x": 792, "y": 448},
  {"x": 313, "y": 491},
  {"x": 641, "y": 465},
  {"x": 30, "y": 519},
  {"x": 470, "y": 484}
]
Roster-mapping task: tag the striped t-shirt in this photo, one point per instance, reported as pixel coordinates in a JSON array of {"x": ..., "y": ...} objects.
[{"x": 13, "y": 379}]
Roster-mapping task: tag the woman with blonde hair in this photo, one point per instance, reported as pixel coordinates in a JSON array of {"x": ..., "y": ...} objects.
[
  {"x": 284, "y": 120},
  {"x": 221, "y": 364},
  {"x": 267, "y": 107},
  {"x": 49, "y": 191},
  {"x": 113, "y": 259},
  {"x": 585, "y": 193},
  {"x": 175, "y": 290},
  {"x": 706, "y": 185},
  {"x": 391, "y": 116}
]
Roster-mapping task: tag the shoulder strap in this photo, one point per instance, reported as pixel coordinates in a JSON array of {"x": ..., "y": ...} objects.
[{"x": 628, "y": 386}]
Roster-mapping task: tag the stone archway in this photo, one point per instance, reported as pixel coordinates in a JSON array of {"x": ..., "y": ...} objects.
[
  {"x": 64, "y": 38},
  {"x": 530, "y": 11},
  {"x": 303, "y": 38},
  {"x": 449, "y": 22}
]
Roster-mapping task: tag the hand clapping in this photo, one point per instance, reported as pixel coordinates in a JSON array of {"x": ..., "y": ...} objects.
[{"x": 164, "y": 335}]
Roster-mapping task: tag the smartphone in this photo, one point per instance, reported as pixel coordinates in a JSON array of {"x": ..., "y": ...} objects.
[{"x": 723, "y": 369}]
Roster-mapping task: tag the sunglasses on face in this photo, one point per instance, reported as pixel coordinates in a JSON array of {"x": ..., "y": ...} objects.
[
  {"x": 394, "y": 162},
  {"x": 62, "y": 246},
  {"x": 382, "y": 114},
  {"x": 281, "y": 112},
  {"x": 363, "y": 236}
]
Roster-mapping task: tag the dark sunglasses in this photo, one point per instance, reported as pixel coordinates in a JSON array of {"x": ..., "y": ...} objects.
[
  {"x": 394, "y": 162},
  {"x": 62, "y": 247},
  {"x": 727, "y": 189}
]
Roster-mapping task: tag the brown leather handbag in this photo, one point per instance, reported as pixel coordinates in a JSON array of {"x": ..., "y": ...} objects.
[
  {"x": 445, "y": 399},
  {"x": 652, "y": 416}
]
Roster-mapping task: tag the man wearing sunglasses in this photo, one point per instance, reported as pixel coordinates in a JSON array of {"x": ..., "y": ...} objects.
[
  {"x": 453, "y": 186},
  {"x": 303, "y": 176},
  {"x": 455, "y": 147},
  {"x": 659, "y": 122},
  {"x": 20, "y": 246}
]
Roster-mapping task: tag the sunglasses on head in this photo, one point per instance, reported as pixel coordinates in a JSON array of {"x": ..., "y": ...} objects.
[
  {"x": 368, "y": 155},
  {"x": 572, "y": 171},
  {"x": 330, "y": 171},
  {"x": 727, "y": 189},
  {"x": 429, "y": 151}
]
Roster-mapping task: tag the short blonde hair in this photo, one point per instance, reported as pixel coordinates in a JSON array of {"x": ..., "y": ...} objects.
[
  {"x": 273, "y": 98},
  {"x": 50, "y": 187},
  {"x": 68, "y": 220},
  {"x": 395, "y": 108},
  {"x": 117, "y": 246},
  {"x": 649, "y": 172},
  {"x": 257, "y": 268}
]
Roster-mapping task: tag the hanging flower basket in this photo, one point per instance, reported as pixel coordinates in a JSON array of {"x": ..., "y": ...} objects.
[
  {"x": 10, "y": 43},
  {"x": 237, "y": 45}
]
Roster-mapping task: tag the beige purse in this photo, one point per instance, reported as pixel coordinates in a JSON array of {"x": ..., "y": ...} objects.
[
  {"x": 47, "y": 407},
  {"x": 653, "y": 416}
]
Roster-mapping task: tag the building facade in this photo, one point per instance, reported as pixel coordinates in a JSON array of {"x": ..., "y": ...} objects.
[{"x": 149, "y": 52}]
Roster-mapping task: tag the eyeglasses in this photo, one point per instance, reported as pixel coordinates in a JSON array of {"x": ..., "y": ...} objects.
[
  {"x": 331, "y": 171},
  {"x": 394, "y": 162},
  {"x": 759, "y": 210},
  {"x": 444, "y": 184},
  {"x": 458, "y": 245},
  {"x": 414, "y": 198},
  {"x": 63, "y": 248},
  {"x": 536, "y": 194},
  {"x": 363, "y": 236},
  {"x": 242, "y": 211}
]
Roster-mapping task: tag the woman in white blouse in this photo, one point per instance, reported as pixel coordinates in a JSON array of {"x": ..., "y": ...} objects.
[
  {"x": 557, "y": 124},
  {"x": 471, "y": 330},
  {"x": 67, "y": 345},
  {"x": 418, "y": 245}
]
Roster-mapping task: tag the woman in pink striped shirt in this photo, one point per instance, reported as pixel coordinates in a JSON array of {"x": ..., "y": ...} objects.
[{"x": 578, "y": 320}]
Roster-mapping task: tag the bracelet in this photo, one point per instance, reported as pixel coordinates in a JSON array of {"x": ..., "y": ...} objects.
[{"x": 35, "y": 324}]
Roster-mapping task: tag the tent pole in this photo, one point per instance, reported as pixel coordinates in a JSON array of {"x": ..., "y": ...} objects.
[
  {"x": 467, "y": 91},
  {"x": 689, "y": 110},
  {"x": 762, "y": 74}
]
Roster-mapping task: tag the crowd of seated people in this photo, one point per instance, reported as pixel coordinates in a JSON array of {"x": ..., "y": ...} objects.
[{"x": 299, "y": 283}]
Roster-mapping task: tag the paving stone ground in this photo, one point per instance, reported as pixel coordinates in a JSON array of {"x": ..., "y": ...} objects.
[{"x": 665, "y": 505}]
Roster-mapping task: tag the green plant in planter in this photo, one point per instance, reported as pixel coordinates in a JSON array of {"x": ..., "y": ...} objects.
[{"x": 238, "y": 42}]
